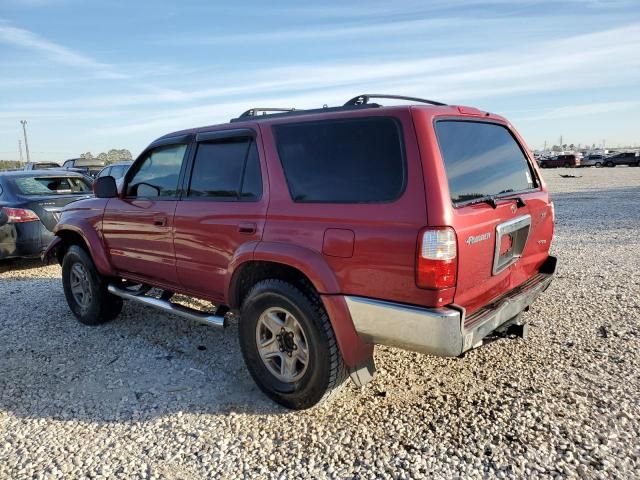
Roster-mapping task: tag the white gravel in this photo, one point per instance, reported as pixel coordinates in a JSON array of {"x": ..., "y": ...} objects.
[{"x": 152, "y": 396}]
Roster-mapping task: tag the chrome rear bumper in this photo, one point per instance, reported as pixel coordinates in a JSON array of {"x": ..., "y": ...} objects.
[{"x": 443, "y": 331}]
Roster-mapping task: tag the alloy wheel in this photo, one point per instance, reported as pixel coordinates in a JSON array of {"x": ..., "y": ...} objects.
[
  {"x": 282, "y": 344},
  {"x": 81, "y": 285}
]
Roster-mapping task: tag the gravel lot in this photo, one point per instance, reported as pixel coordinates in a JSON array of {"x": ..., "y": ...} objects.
[{"x": 153, "y": 396}]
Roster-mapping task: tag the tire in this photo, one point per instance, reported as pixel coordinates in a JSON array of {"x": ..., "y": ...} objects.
[
  {"x": 567, "y": 165},
  {"x": 543, "y": 165},
  {"x": 305, "y": 384},
  {"x": 609, "y": 164},
  {"x": 86, "y": 290},
  {"x": 598, "y": 164}
]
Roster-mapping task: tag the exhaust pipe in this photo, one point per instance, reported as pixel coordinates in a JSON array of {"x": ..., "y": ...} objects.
[{"x": 167, "y": 306}]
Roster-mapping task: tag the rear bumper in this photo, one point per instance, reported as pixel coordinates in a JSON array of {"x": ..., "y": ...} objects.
[
  {"x": 23, "y": 240},
  {"x": 447, "y": 331}
]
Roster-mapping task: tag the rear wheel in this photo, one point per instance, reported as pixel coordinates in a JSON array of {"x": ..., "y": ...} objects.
[
  {"x": 289, "y": 345},
  {"x": 567, "y": 165},
  {"x": 598, "y": 164},
  {"x": 543, "y": 165},
  {"x": 609, "y": 164},
  {"x": 86, "y": 290}
]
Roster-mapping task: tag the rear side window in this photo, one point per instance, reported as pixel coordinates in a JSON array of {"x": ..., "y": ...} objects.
[
  {"x": 51, "y": 185},
  {"x": 343, "y": 161},
  {"x": 227, "y": 170},
  {"x": 482, "y": 159}
]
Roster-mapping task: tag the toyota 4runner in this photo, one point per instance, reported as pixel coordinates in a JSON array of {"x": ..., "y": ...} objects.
[{"x": 324, "y": 232}]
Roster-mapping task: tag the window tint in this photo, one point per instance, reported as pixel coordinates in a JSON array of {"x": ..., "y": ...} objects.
[
  {"x": 224, "y": 169},
  {"x": 105, "y": 172},
  {"x": 342, "y": 161},
  {"x": 482, "y": 159},
  {"x": 157, "y": 175}
]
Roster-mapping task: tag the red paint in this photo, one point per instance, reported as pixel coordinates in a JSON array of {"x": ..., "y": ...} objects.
[
  {"x": 199, "y": 247},
  {"x": 338, "y": 242}
]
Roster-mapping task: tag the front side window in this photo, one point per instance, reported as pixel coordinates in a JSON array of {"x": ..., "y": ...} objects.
[
  {"x": 482, "y": 159},
  {"x": 359, "y": 160},
  {"x": 226, "y": 170},
  {"x": 158, "y": 174}
]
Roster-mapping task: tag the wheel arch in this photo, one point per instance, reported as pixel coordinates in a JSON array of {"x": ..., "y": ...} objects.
[
  {"x": 308, "y": 271},
  {"x": 85, "y": 237}
]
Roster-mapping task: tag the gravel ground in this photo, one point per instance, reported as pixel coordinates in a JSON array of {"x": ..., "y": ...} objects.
[{"x": 153, "y": 396}]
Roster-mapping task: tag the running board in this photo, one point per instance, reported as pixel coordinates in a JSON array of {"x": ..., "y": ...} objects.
[{"x": 167, "y": 306}]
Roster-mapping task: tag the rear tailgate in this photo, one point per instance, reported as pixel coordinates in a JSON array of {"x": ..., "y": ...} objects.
[{"x": 501, "y": 241}]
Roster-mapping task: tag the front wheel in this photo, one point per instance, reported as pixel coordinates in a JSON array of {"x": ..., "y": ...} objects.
[
  {"x": 86, "y": 290},
  {"x": 289, "y": 345},
  {"x": 598, "y": 164},
  {"x": 610, "y": 164}
]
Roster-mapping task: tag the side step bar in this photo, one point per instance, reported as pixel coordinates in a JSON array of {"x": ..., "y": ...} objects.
[{"x": 167, "y": 306}]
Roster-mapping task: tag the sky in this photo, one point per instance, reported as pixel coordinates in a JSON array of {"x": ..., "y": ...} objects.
[{"x": 91, "y": 76}]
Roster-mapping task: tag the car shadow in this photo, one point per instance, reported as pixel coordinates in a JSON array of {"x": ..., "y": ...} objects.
[
  {"x": 19, "y": 264},
  {"x": 144, "y": 364}
]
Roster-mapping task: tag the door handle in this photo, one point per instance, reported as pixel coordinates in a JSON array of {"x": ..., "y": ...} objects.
[
  {"x": 247, "y": 228},
  {"x": 160, "y": 221}
]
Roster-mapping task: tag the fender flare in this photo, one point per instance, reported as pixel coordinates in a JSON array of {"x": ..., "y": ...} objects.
[
  {"x": 355, "y": 351},
  {"x": 92, "y": 241}
]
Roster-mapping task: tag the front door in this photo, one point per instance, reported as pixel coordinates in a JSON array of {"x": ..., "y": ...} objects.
[
  {"x": 223, "y": 207},
  {"x": 138, "y": 227}
]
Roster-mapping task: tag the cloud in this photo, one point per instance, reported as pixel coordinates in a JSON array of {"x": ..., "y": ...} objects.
[
  {"x": 26, "y": 39},
  {"x": 570, "y": 111}
]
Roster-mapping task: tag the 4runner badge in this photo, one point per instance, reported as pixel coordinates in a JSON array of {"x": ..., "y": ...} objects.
[{"x": 478, "y": 238}]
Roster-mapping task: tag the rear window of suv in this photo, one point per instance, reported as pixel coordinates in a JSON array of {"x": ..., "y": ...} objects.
[
  {"x": 343, "y": 161},
  {"x": 482, "y": 159}
]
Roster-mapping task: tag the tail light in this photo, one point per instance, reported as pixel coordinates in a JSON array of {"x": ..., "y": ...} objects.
[
  {"x": 437, "y": 258},
  {"x": 20, "y": 215}
]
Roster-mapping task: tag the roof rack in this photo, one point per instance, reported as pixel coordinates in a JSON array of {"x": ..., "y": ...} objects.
[
  {"x": 253, "y": 112},
  {"x": 282, "y": 112},
  {"x": 364, "y": 99}
]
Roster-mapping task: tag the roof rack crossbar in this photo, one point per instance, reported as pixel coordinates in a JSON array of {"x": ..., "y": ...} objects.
[
  {"x": 364, "y": 99},
  {"x": 253, "y": 112}
]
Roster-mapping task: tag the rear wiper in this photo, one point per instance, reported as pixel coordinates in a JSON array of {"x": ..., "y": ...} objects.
[
  {"x": 519, "y": 201},
  {"x": 492, "y": 200},
  {"x": 489, "y": 199}
]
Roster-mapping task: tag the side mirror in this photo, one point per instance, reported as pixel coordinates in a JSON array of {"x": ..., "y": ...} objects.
[
  {"x": 105, "y": 187},
  {"x": 4, "y": 218}
]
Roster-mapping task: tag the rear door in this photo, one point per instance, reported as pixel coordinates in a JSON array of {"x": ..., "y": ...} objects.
[
  {"x": 501, "y": 245},
  {"x": 138, "y": 228},
  {"x": 222, "y": 208}
]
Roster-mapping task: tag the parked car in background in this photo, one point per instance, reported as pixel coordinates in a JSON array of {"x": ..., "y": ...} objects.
[
  {"x": 593, "y": 160},
  {"x": 327, "y": 231},
  {"x": 570, "y": 160},
  {"x": 88, "y": 166},
  {"x": 115, "y": 170},
  {"x": 31, "y": 202},
  {"x": 631, "y": 159},
  {"x": 41, "y": 165}
]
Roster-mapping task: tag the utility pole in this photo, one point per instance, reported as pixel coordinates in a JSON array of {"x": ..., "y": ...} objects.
[
  {"x": 20, "y": 150},
  {"x": 26, "y": 143}
]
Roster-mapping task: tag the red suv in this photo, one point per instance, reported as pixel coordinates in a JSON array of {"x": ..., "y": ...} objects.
[
  {"x": 324, "y": 232},
  {"x": 570, "y": 160}
]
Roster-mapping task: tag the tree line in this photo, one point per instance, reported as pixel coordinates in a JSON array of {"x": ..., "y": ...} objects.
[{"x": 112, "y": 156}]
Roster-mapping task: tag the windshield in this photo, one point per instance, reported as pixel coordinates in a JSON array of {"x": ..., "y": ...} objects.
[
  {"x": 51, "y": 185},
  {"x": 482, "y": 159}
]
